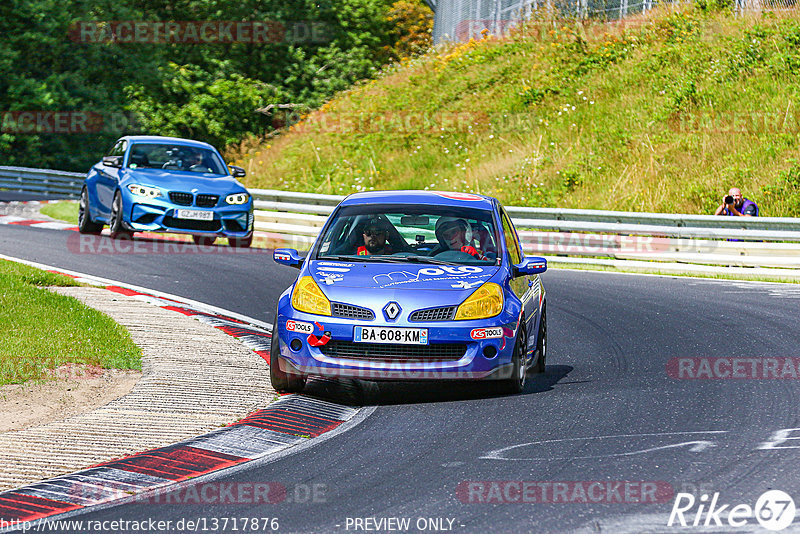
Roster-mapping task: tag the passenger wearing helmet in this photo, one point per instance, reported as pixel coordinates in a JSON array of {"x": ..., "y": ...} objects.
[
  {"x": 374, "y": 239},
  {"x": 481, "y": 235},
  {"x": 456, "y": 234}
]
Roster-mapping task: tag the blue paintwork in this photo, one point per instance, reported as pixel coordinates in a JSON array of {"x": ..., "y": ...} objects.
[
  {"x": 103, "y": 182},
  {"x": 413, "y": 286}
]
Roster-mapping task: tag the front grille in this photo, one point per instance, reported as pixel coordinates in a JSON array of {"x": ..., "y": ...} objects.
[
  {"x": 442, "y": 352},
  {"x": 348, "y": 311},
  {"x": 207, "y": 201},
  {"x": 182, "y": 199},
  {"x": 189, "y": 224},
  {"x": 433, "y": 314}
]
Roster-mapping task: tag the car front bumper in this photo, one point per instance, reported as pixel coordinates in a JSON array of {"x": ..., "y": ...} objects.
[
  {"x": 161, "y": 216},
  {"x": 329, "y": 350}
]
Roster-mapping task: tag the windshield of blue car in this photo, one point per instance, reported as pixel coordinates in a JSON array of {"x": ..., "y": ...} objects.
[
  {"x": 412, "y": 233},
  {"x": 175, "y": 158}
]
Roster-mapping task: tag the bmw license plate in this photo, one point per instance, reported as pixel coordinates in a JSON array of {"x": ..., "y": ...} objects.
[
  {"x": 403, "y": 336},
  {"x": 196, "y": 215}
]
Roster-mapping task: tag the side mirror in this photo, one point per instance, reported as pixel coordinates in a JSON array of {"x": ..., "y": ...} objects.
[
  {"x": 530, "y": 265},
  {"x": 288, "y": 256},
  {"x": 112, "y": 161},
  {"x": 237, "y": 172}
]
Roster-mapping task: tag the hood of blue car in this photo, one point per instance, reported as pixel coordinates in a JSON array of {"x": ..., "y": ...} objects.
[
  {"x": 183, "y": 181},
  {"x": 332, "y": 275}
]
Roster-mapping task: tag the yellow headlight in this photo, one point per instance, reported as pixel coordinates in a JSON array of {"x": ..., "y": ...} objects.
[
  {"x": 486, "y": 301},
  {"x": 308, "y": 297}
]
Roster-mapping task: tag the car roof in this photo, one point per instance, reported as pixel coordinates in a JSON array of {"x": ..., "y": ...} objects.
[
  {"x": 157, "y": 139},
  {"x": 438, "y": 198}
]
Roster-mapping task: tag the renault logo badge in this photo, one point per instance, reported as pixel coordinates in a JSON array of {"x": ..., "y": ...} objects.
[{"x": 392, "y": 310}]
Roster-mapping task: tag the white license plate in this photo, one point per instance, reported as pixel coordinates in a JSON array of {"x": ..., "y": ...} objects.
[
  {"x": 402, "y": 336},
  {"x": 195, "y": 215}
]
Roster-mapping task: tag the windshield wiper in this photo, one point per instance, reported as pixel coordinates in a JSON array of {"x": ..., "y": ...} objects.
[
  {"x": 425, "y": 259},
  {"x": 390, "y": 259}
]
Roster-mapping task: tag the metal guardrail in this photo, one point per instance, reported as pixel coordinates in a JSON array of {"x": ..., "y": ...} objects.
[
  {"x": 587, "y": 234},
  {"x": 41, "y": 181},
  {"x": 295, "y": 219}
]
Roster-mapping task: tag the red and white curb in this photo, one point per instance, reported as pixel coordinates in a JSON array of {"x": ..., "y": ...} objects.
[
  {"x": 287, "y": 422},
  {"x": 32, "y": 223},
  {"x": 290, "y": 421}
]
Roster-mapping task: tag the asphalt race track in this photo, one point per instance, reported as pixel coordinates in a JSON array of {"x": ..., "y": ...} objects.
[{"x": 616, "y": 420}]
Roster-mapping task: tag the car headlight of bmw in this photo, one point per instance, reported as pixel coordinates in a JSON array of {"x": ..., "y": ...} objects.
[
  {"x": 237, "y": 198},
  {"x": 144, "y": 191},
  {"x": 485, "y": 302},
  {"x": 308, "y": 297}
]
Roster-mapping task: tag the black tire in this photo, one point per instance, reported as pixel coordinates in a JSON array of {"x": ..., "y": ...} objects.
[
  {"x": 516, "y": 382},
  {"x": 541, "y": 344},
  {"x": 117, "y": 226},
  {"x": 282, "y": 381},
  {"x": 241, "y": 242},
  {"x": 85, "y": 223},
  {"x": 204, "y": 240}
]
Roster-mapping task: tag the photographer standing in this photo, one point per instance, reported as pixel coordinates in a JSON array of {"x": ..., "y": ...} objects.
[{"x": 735, "y": 204}]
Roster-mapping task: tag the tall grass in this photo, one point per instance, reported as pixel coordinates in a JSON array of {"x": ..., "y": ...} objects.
[{"x": 660, "y": 114}]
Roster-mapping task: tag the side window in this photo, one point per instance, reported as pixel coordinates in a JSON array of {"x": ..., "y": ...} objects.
[
  {"x": 511, "y": 239},
  {"x": 118, "y": 150},
  {"x": 113, "y": 149}
]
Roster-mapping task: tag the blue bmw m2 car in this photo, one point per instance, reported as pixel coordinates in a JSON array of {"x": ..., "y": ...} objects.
[
  {"x": 412, "y": 285},
  {"x": 166, "y": 184}
]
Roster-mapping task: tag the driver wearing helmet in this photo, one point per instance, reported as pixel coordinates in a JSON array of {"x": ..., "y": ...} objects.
[
  {"x": 374, "y": 239},
  {"x": 456, "y": 234}
]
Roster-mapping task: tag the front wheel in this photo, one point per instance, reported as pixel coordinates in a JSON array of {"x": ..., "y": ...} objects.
[
  {"x": 516, "y": 383},
  {"x": 282, "y": 381},
  {"x": 85, "y": 223},
  {"x": 117, "y": 226},
  {"x": 541, "y": 344}
]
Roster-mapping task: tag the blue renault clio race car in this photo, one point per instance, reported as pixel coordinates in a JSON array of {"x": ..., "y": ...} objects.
[
  {"x": 166, "y": 184},
  {"x": 412, "y": 285}
]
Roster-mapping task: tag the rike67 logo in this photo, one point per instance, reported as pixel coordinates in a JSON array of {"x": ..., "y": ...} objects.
[{"x": 774, "y": 510}]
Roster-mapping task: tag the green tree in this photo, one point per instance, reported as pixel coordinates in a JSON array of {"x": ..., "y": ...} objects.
[
  {"x": 216, "y": 106},
  {"x": 208, "y": 91}
]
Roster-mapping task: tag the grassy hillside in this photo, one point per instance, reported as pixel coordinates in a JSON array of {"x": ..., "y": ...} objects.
[{"x": 660, "y": 114}]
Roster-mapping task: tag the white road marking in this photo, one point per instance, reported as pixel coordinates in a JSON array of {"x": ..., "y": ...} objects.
[{"x": 694, "y": 446}]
